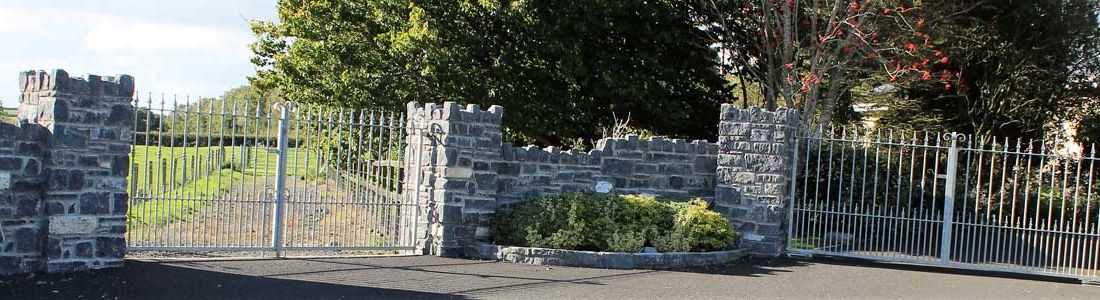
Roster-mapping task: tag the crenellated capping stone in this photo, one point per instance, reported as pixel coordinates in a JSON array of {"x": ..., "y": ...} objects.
[
  {"x": 452, "y": 111},
  {"x": 59, "y": 81}
]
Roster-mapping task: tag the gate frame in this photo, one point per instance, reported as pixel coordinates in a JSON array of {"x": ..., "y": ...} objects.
[
  {"x": 405, "y": 238},
  {"x": 945, "y": 257}
]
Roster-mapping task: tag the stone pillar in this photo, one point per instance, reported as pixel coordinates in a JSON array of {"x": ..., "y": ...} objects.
[
  {"x": 754, "y": 165},
  {"x": 86, "y": 162},
  {"x": 459, "y": 150}
]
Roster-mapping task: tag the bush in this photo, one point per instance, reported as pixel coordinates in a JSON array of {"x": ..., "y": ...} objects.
[{"x": 603, "y": 222}]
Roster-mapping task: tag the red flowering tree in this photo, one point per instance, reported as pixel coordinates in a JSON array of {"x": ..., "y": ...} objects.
[{"x": 806, "y": 54}]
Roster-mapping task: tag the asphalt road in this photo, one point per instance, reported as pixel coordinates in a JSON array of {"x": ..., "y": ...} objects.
[{"x": 433, "y": 277}]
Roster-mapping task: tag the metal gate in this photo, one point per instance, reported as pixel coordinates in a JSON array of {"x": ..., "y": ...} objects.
[
  {"x": 950, "y": 200},
  {"x": 252, "y": 177}
]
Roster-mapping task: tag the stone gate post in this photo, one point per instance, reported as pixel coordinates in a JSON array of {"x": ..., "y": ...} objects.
[
  {"x": 754, "y": 165},
  {"x": 86, "y": 162},
  {"x": 456, "y": 188}
]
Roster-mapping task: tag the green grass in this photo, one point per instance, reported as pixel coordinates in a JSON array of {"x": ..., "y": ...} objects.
[
  {"x": 163, "y": 169},
  {"x": 800, "y": 243},
  {"x": 177, "y": 204}
]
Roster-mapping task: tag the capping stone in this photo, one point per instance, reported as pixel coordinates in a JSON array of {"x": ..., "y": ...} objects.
[{"x": 604, "y": 260}]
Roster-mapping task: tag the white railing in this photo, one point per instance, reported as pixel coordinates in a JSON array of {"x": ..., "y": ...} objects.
[
  {"x": 214, "y": 176},
  {"x": 946, "y": 199}
]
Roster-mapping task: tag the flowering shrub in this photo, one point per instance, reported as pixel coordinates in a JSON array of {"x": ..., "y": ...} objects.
[{"x": 620, "y": 223}]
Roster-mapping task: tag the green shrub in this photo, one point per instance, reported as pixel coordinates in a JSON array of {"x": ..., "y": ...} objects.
[{"x": 603, "y": 222}]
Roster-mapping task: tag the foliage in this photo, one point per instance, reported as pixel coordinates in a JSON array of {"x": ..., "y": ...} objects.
[
  {"x": 8, "y": 115},
  {"x": 1088, "y": 130},
  {"x": 808, "y": 54},
  {"x": 1017, "y": 67},
  {"x": 697, "y": 228},
  {"x": 560, "y": 68},
  {"x": 603, "y": 222}
]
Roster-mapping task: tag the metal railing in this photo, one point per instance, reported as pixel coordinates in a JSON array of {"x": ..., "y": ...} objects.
[
  {"x": 213, "y": 176},
  {"x": 947, "y": 199}
]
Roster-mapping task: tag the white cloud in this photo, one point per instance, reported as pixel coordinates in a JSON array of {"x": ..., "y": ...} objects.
[
  {"x": 185, "y": 55},
  {"x": 112, "y": 34}
]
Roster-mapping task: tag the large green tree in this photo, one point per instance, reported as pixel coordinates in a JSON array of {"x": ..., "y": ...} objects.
[
  {"x": 1018, "y": 67},
  {"x": 562, "y": 69}
]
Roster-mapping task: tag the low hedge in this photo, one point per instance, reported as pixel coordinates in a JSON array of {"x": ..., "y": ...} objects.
[{"x": 617, "y": 223}]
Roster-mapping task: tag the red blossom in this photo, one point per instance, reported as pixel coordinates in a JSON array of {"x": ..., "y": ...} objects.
[
  {"x": 887, "y": 11},
  {"x": 943, "y": 60},
  {"x": 855, "y": 5},
  {"x": 920, "y": 22},
  {"x": 939, "y": 53},
  {"x": 926, "y": 75},
  {"x": 910, "y": 46}
]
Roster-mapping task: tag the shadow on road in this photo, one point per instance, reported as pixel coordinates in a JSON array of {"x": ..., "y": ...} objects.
[
  {"x": 154, "y": 280},
  {"x": 756, "y": 267},
  {"x": 863, "y": 263}
]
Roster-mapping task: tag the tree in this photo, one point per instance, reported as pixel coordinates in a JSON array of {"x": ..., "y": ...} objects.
[
  {"x": 561, "y": 69},
  {"x": 1021, "y": 67},
  {"x": 808, "y": 54}
]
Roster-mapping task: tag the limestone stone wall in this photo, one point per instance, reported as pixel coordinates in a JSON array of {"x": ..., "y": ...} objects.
[
  {"x": 466, "y": 172},
  {"x": 69, "y": 159},
  {"x": 675, "y": 168},
  {"x": 22, "y": 219},
  {"x": 455, "y": 193},
  {"x": 754, "y": 165}
]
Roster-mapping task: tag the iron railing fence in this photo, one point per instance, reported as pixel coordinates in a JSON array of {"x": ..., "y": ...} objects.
[
  {"x": 946, "y": 199},
  {"x": 216, "y": 176}
]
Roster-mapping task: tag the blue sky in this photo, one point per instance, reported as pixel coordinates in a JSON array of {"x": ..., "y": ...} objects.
[{"x": 193, "y": 47}]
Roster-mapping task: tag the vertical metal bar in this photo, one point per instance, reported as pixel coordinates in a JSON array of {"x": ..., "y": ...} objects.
[
  {"x": 280, "y": 182},
  {"x": 793, "y": 181},
  {"x": 222, "y": 196},
  {"x": 870, "y": 244},
  {"x": 949, "y": 198}
]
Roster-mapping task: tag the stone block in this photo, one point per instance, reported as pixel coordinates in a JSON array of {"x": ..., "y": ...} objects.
[
  {"x": 110, "y": 247},
  {"x": 63, "y": 225}
]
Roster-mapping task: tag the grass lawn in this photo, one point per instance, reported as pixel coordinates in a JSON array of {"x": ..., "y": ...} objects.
[
  {"x": 177, "y": 204},
  {"x": 163, "y": 169}
]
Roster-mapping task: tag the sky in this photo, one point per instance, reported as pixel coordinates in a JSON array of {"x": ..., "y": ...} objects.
[{"x": 195, "y": 47}]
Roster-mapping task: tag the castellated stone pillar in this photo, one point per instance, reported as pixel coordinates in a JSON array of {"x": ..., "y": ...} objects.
[
  {"x": 455, "y": 193},
  {"x": 86, "y": 160},
  {"x": 754, "y": 170}
]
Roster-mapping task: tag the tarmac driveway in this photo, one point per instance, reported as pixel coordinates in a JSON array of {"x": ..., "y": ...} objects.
[{"x": 433, "y": 277}]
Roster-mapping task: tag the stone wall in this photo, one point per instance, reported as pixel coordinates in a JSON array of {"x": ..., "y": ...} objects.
[
  {"x": 467, "y": 173},
  {"x": 676, "y": 169},
  {"x": 754, "y": 165},
  {"x": 82, "y": 130},
  {"x": 22, "y": 220}
]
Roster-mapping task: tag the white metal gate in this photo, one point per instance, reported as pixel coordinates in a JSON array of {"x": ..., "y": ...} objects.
[
  {"x": 252, "y": 177},
  {"x": 990, "y": 204}
]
